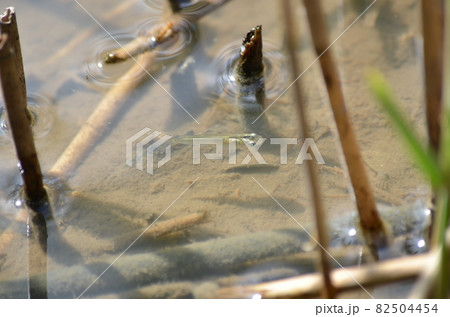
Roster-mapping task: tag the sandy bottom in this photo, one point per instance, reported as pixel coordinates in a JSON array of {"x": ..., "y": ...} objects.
[{"x": 107, "y": 199}]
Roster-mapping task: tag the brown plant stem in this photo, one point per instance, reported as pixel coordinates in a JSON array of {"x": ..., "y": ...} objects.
[
  {"x": 159, "y": 35},
  {"x": 433, "y": 46},
  {"x": 311, "y": 165},
  {"x": 8, "y": 25},
  {"x": 19, "y": 123},
  {"x": 371, "y": 224},
  {"x": 309, "y": 285},
  {"x": 249, "y": 73},
  {"x": 251, "y": 57},
  {"x": 99, "y": 120}
]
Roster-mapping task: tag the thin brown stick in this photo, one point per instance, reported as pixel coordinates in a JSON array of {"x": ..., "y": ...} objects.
[
  {"x": 161, "y": 228},
  {"x": 160, "y": 34},
  {"x": 311, "y": 165},
  {"x": 8, "y": 25},
  {"x": 309, "y": 285},
  {"x": 19, "y": 123},
  {"x": 433, "y": 45},
  {"x": 99, "y": 120},
  {"x": 371, "y": 223}
]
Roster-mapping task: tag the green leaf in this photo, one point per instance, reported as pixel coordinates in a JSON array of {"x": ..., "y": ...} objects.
[{"x": 424, "y": 157}]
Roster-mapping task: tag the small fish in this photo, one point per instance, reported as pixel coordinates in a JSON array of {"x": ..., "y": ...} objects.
[{"x": 245, "y": 138}]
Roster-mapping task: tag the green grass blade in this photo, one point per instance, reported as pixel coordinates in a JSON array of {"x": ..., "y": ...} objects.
[{"x": 426, "y": 160}]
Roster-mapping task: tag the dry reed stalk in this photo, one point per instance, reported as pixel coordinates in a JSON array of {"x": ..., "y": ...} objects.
[
  {"x": 8, "y": 25},
  {"x": 310, "y": 285},
  {"x": 160, "y": 34},
  {"x": 371, "y": 223},
  {"x": 426, "y": 283},
  {"x": 19, "y": 122},
  {"x": 161, "y": 228},
  {"x": 433, "y": 46},
  {"x": 84, "y": 35},
  {"x": 14, "y": 91},
  {"x": 99, "y": 120},
  {"x": 312, "y": 167}
]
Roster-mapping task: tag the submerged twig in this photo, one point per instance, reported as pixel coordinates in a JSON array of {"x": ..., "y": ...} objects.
[
  {"x": 373, "y": 228},
  {"x": 112, "y": 102},
  {"x": 99, "y": 120},
  {"x": 161, "y": 228},
  {"x": 312, "y": 167},
  {"x": 433, "y": 46},
  {"x": 159, "y": 35}
]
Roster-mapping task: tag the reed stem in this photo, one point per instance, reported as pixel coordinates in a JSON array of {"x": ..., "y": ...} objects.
[
  {"x": 370, "y": 220},
  {"x": 13, "y": 86},
  {"x": 311, "y": 165},
  {"x": 345, "y": 279},
  {"x": 433, "y": 45},
  {"x": 14, "y": 91},
  {"x": 8, "y": 25}
]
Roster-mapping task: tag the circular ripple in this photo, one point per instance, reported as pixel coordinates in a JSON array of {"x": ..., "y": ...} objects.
[
  {"x": 274, "y": 70},
  {"x": 192, "y": 7},
  {"x": 59, "y": 196},
  {"x": 98, "y": 72},
  {"x": 184, "y": 37},
  {"x": 42, "y": 114},
  {"x": 158, "y": 5}
]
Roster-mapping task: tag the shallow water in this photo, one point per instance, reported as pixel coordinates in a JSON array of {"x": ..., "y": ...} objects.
[{"x": 106, "y": 199}]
